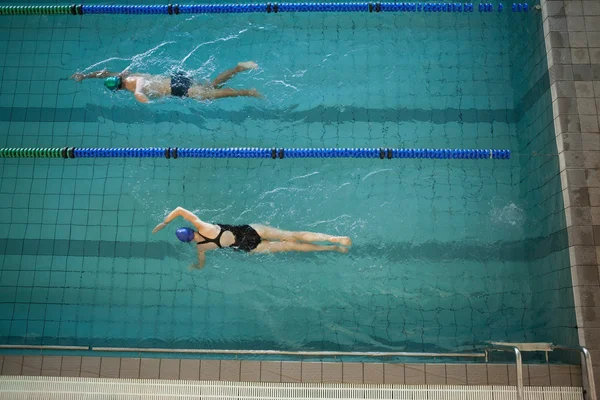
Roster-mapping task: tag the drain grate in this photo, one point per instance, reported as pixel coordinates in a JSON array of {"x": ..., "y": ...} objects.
[{"x": 30, "y": 388}]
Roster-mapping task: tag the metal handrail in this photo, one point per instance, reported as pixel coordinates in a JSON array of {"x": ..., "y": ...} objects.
[
  {"x": 247, "y": 352},
  {"x": 590, "y": 390},
  {"x": 296, "y": 353},
  {"x": 518, "y": 361},
  {"x": 42, "y": 347}
]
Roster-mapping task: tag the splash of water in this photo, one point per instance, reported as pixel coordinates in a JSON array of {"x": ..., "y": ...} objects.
[
  {"x": 225, "y": 39},
  {"x": 510, "y": 214},
  {"x": 136, "y": 60}
]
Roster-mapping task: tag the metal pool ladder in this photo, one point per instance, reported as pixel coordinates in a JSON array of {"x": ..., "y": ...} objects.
[{"x": 589, "y": 387}]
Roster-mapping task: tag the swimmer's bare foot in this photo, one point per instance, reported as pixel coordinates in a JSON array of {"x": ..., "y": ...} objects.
[
  {"x": 255, "y": 93},
  {"x": 246, "y": 65},
  {"x": 343, "y": 240},
  {"x": 340, "y": 249}
]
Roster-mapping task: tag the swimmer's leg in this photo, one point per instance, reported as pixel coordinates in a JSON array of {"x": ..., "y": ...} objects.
[
  {"x": 266, "y": 232},
  {"x": 278, "y": 247},
  {"x": 207, "y": 93},
  {"x": 230, "y": 73}
]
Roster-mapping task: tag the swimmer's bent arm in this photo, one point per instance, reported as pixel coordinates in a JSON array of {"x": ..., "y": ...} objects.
[
  {"x": 191, "y": 217},
  {"x": 139, "y": 96},
  {"x": 181, "y": 212},
  {"x": 201, "y": 259}
]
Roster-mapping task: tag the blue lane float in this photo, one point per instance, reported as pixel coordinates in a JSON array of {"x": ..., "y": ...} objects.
[
  {"x": 262, "y": 153},
  {"x": 175, "y": 9}
]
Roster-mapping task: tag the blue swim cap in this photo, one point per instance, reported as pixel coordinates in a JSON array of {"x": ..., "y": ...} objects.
[
  {"x": 113, "y": 82},
  {"x": 186, "y": 235}
]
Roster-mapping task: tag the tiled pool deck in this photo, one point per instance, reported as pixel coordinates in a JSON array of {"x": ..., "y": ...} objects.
[
  {"x": 275, "y": 371},
  {"x": 572, "y": 36}
]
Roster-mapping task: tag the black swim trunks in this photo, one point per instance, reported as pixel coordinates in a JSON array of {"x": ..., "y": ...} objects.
[{"x": 180, "y": 84}]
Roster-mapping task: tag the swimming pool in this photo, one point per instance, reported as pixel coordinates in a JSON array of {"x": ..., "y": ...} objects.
[{"x": 446, "y": 255}]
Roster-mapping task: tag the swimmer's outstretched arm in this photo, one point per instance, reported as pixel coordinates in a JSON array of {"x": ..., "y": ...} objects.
[
  {"x": 98, "y": 74},
  {"x": 188, "y": 215}
]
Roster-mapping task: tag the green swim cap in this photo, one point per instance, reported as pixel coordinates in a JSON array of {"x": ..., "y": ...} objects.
[{"x": 113, "y": 82}]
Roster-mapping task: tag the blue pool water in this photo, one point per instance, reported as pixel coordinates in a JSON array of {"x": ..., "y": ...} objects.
[{"x": 446, "y": 255}]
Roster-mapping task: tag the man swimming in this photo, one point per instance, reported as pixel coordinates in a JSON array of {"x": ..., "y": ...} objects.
[
  {"x": 249, "y": 238},
  {"x": 179, "y": 84}
]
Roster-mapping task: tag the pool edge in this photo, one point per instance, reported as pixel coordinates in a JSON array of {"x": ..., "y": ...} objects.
[{"x": 290, "y": 371}]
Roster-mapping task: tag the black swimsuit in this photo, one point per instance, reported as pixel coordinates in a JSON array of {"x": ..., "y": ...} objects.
[{"x": 246, "y": 238}]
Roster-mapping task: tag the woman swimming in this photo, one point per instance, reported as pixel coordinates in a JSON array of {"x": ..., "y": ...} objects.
[
  {"x": 249, "y": 238},
  {"x": 178, "y": 84}
]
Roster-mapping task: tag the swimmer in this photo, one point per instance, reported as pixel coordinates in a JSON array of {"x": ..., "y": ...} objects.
[
  {"x": 179, "y": 84},
  {"x": 249, "y": 238}
]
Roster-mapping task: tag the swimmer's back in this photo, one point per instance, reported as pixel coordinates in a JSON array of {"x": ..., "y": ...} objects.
[{"x": 154, "y": 85}]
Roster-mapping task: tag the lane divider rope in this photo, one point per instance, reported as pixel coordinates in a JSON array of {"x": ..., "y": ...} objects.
[
  {"x": 248, "y": 152},
  {"x": 175, "y": 9}
]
